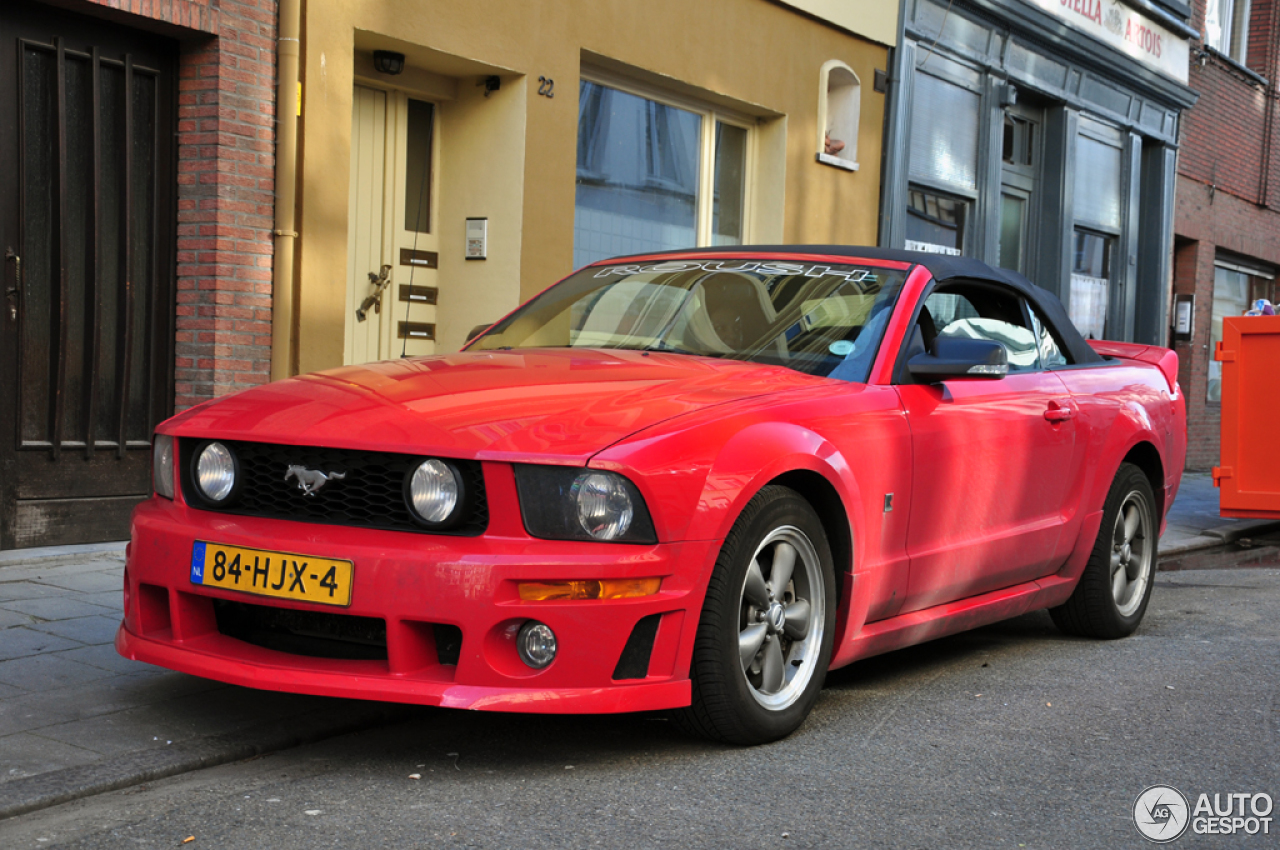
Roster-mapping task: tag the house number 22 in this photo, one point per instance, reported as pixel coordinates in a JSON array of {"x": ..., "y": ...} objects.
[{"x": 546, "y": 87}]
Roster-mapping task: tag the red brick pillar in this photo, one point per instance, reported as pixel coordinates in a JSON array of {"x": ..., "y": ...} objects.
[{"x": 226, "y": 171}]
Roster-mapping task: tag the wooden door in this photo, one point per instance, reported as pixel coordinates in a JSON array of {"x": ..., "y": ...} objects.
[
  {"x": 87, "y": 226},
  {"x": 369, "y": 211},
  {"x": 391, "y": 224}
]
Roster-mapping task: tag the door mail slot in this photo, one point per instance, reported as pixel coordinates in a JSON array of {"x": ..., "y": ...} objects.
[
  {"x": 417, "y": 330},
  {"x": 420, "y": 259},
  {"x": 419, "y": 294}
]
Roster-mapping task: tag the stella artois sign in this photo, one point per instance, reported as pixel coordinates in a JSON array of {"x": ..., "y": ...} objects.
[{"x": 1126, "y": 30}]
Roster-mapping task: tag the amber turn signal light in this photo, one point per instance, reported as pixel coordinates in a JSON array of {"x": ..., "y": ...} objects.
[{"x": 610, "y": 588}]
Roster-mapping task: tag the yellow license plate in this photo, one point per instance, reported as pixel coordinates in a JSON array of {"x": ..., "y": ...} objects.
[{"x": 279, "y": 574}]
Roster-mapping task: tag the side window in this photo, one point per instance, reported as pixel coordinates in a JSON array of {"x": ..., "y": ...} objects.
[
  {"x": 980, "y": 312},
  {"x": 1051, "y": 351}
]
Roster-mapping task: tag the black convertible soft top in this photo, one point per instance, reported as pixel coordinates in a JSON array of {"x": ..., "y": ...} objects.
[{"x": 942, "y": 267}]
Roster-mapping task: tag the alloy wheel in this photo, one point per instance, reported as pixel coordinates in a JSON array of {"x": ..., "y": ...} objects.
[
  {"x": 1132, "y": 553},
  {"x": 782, "y": 617}
]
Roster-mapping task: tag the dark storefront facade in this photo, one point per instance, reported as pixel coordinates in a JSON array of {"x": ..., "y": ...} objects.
[{"x": 1041, "y": 136}]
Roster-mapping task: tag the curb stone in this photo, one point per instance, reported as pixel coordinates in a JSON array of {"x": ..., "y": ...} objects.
[{"x": 29, "y": 794}]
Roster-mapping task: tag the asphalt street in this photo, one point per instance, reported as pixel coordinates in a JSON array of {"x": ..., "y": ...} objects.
[{"x": 1009, "y": 736}]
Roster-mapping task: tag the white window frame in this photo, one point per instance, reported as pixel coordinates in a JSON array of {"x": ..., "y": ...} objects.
[
  {"x": 710, "y": 114},
  {"x": 1221, "y": 20},
  {"x": 846, "y": 109}
]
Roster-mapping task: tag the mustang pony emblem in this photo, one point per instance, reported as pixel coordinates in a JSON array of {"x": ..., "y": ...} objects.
[{"x": 311, "y": 480}]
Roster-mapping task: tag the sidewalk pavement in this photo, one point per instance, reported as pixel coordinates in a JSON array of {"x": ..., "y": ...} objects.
[
  {"x": 77, "y": 719},
  {"x": 1193, "y": 521}
]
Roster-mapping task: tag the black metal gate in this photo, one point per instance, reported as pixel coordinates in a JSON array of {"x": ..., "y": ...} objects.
[{"x": 87, "y": 218}]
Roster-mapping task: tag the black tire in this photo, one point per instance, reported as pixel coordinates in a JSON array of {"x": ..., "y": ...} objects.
[
  {"x": 740, "y": 702},
  {"x": 1102, "y": 606}
]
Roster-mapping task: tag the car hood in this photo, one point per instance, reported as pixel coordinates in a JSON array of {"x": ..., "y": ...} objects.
[{"x": 538, "y": 405}]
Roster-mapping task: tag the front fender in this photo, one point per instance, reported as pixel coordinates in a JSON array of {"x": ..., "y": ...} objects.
[
  {"x": 698, "y": 475},
  {"x": 755, "y": 456}
]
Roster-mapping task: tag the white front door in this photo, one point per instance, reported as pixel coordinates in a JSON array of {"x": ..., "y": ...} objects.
[{"x": 390, "y": 227}]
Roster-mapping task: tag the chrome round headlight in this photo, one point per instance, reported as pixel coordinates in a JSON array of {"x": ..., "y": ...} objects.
[
  {"x": 434, "y": 491},
  {"x": 215, "y": 472},
  {"x": 604, "y": 505}
]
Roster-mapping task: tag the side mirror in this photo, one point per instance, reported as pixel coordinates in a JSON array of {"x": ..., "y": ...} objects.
[
  {"x": 961, "y": 358},
  {"x": 477, "y": 330}
]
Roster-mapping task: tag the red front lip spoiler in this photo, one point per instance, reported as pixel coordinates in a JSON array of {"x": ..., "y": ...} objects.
[{"x": 290, "y": 677}]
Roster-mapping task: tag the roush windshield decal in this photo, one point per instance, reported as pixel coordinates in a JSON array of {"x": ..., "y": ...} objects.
[{"x": 769, "y": 267}]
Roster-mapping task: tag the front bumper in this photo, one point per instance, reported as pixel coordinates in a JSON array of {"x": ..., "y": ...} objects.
[{"x": 417, "y": 583}]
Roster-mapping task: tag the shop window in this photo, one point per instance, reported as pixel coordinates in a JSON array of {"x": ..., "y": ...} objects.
[
  {"x": 935, "y": 222},
  {"x": 655, "y": 174},
  {"x": 1091, "y": 282},
  {"x": 839, "y": 107},
  {"x": 1097, "y": 182},
  {"x": 944, "y": 132},
  {"x": 1226, "y": 27},
  {"x": 1235, "y": 288},
  {"x": 1098, "y": 200}
]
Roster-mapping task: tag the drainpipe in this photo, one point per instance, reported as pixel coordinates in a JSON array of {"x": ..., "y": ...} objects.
[
  {"x": 1268, "y": 133},
  {"x": 289, "y": 27}
]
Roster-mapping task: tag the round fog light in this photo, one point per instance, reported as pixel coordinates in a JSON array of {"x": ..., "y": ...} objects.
[{"x": 536, "y": 644}]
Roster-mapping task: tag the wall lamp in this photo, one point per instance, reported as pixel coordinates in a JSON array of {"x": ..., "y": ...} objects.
[{"x": 388, "y": 62}]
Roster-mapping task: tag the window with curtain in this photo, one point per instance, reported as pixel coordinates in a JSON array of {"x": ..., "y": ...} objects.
[
  {"x": 654, "y": 175},
  {"x": 1098, "y": 199},
  {"x": 1232, "y": 296}
]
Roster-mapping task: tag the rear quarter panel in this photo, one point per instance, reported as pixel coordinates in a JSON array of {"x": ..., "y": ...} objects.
[{"x": 1122, "y": 404}]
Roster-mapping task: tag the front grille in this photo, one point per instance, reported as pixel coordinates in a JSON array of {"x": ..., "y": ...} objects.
[
  {"x": 371, "y": 495},
  {"x": 318, "y": 634},
  {"x": 310, "y": 633}
]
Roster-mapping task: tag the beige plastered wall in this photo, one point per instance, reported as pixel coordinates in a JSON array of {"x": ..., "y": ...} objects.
[{"x": 512, "y": 156}]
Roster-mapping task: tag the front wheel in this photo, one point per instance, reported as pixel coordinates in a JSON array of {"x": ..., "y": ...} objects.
[
  {"x": 1116, "y": 584},
  {"x": 767, "y": 627}
]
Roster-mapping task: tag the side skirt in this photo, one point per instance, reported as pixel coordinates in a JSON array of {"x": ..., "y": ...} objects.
[
  {"x": 964, "y": 614},
  {"x": 951, "y": 618}
]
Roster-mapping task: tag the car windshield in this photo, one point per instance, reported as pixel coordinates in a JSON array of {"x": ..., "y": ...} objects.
[{"x": 817, "y": 318}]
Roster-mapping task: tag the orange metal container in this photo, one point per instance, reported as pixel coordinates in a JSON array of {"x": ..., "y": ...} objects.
[{"x": 1248, "y": 478}]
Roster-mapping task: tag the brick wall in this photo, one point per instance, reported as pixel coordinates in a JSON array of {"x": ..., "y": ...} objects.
[
  {"x": 1228, "y": 199},
  {"x": 226, "y": 171}
]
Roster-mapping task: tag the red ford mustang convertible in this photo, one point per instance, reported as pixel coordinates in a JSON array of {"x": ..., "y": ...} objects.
[{"x": 691, "y": 481}]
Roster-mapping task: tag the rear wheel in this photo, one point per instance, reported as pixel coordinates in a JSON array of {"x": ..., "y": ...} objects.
[
  {"x": 1116, "y": 584},
  {"x": 765, "y": 637}
]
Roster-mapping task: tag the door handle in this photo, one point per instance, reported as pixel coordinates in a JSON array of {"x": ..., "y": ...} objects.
[
  {"x": 1058, "y": 412},
  {"x": 11, "y": 294},
  {"x": 379, "y": 282}
]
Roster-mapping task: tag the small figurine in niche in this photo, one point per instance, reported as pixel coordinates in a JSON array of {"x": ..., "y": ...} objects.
[{"x": 831, "y": 146}]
